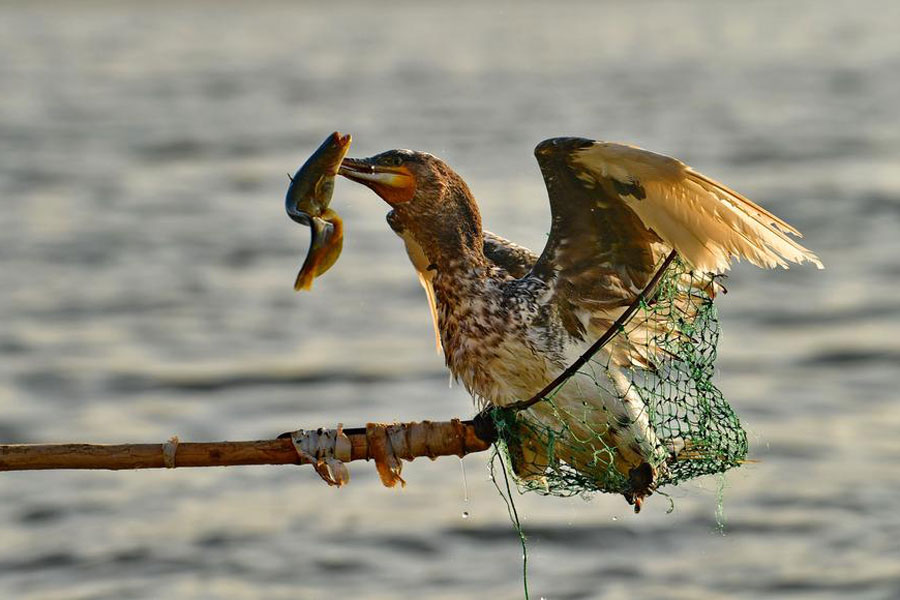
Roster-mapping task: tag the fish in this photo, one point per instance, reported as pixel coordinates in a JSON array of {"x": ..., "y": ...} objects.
[{"x": 306, "y": 202}]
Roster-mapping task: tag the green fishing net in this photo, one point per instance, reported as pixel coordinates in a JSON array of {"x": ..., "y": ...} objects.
[{"x": 661, "y": 420}]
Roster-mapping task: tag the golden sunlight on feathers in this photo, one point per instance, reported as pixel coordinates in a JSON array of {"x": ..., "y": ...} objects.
[
  {"x": 707, "y": 223},
  {"x": 510, "y": 321}
]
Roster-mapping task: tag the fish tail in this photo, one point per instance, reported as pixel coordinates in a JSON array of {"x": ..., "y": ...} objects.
[{"x": 304, "y": 279}]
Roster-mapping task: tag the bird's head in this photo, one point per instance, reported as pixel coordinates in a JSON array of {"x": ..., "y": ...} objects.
[{"x": 429, "y": 200}]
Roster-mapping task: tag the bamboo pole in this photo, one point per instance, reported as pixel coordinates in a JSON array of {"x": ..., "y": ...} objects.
[{"x": 432, "y": 439}]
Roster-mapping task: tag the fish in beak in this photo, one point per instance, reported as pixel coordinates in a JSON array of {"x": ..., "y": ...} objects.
[{"x": 307, "y": 200}]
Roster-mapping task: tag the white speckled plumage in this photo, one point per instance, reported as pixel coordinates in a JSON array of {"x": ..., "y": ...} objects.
[{"x": 510, "y": 321}]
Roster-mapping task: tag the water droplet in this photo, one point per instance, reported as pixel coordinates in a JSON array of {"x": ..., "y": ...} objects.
[
  {"x": 465, "y": 514},
  {"x": 462, "y": 467},
  {"x": 615, "y": 518}
]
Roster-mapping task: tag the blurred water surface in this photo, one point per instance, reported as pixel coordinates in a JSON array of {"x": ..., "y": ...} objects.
[{"x": 146, "y": 268}]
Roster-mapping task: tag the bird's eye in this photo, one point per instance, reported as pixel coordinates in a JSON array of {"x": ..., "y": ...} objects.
[{"x": 394, "y": 161}]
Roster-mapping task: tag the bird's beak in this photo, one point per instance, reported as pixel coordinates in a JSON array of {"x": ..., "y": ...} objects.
[{"x": 395, "y": 185}]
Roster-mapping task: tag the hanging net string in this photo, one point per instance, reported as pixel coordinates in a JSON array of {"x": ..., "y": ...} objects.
[{"x": 638, "y": 410}]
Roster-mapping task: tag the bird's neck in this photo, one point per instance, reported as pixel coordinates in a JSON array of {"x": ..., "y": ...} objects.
[
  {"x": 463, "y": 293},
  {"x": 460, "y": 279},
  {"x": 451, "y": 235}
]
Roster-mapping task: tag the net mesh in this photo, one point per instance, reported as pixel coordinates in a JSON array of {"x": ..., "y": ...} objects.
[{"x": 642, "y": 413}]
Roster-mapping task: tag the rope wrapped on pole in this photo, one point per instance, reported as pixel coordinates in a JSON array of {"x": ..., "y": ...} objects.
[{"x": 426, "y": 438}]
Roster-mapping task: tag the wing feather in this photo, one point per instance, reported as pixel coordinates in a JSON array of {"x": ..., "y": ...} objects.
[
  {"x": 617, "y": 211},
  {"x": 708, "y": 224},
  {"x": 514, "y": 259}
]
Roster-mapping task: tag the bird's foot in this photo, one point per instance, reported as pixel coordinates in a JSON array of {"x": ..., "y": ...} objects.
[{"x": 642, "y": 479}]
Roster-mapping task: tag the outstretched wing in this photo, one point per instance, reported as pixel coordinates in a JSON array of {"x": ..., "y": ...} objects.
[{"x": 618, "y": 210}]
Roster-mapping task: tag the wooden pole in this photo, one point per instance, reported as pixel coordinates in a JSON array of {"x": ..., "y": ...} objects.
[{"x": 432, "y": 439}]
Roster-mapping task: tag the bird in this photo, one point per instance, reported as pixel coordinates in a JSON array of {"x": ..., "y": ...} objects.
[{"x": 510, "y": 321}]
